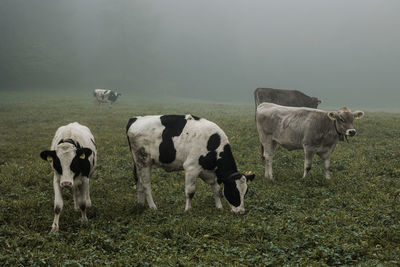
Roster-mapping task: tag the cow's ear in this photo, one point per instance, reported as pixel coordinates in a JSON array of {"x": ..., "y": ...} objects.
[
  {"x": 48, "y": 155},
  {"x": 358, "y": 114},
  {"x": 332, "y": 115},
  {"x": 250, "y": 177},
  {"x": 319, "y": 102}
]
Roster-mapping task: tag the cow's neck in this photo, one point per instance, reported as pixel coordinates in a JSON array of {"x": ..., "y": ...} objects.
[
  {"x": 340, "y": 135},
  {"x": 226, "y": 165}
]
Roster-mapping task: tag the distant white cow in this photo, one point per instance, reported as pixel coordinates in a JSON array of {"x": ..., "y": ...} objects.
[
  {"x": 313, "y": 130},
  {"x": 105, "y": 96},
  {"x": 73, "y": 158},
  {"x": 190, "y": 143}
]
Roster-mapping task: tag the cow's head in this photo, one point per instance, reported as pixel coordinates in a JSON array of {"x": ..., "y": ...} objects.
[
  {"x": 235, "y": 189},
  {"x": 113, "y": 96},
  {"x": 315, "y": 102},
  {"x": 69, "y": 160},
  {"x": 343, "y": 119}
]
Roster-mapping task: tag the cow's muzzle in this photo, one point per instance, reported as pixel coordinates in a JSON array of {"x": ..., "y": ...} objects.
[
  {"x": 239, "y": 212},
  {"x": 351, "y": 132},
  {"x": 66, "y": 184}
]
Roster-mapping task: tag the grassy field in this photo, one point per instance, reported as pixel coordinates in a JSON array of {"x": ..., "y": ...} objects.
[{"x": 352, "y": 219}]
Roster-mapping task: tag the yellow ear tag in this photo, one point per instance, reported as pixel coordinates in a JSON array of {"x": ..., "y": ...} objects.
[
  {"x": 221, "y": 185},
  {"x": 248, "y": 181},
  {"x": 49, "y": 158},
  {"x": 83, "y": 156}
]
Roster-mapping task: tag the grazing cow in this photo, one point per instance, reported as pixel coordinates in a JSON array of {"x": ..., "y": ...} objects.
[
  {"x": 105, "y": 96},
  {"x": 316, "y": 131},
  {"x": 189, "y": 143},
  {"x": 290, "y": 98},
  {"x": 73, "y": 158}
]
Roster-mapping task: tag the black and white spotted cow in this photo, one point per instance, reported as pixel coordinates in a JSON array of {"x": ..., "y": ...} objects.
[
  {"x": 105, "y": 96},
  {"x": 185, "y": 142},
  {"x": 73, "y": 158}
]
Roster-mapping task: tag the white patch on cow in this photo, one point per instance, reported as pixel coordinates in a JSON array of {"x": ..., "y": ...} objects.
[{"x": 241, "y": 185}]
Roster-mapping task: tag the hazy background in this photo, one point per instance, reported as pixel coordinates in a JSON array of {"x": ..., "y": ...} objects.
[{"x": 345, "y": 52}]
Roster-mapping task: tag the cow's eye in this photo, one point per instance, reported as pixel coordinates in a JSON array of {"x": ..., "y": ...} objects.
[{"x": 341, "y": 119}]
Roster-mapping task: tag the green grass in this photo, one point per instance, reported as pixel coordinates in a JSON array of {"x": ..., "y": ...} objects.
[{"x": 352, "y": 219}]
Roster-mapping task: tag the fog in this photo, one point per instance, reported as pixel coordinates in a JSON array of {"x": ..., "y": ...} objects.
[{"x": 343, "y": 52}]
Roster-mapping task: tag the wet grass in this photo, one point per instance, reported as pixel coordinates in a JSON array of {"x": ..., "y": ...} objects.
[{"x": 352, "y": 219}]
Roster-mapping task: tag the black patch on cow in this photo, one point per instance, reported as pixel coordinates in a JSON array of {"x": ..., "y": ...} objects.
[
  {"x": 232, "y": 193},
  {"x": 130, "y": 122},
  {"x": 81, "y": 166},
  {"x": 213, "y": 142},
  {"x": 93, "y": 143},
  {"x": 191, "y": 195},
  {"x": 174, "y": 125},
  {"x": 196, "y": 118},
  {"x": 94, "y": 155},
  {"x": 112, "y": 96},
  {"x": 68, "y": 141},
  {"x": 57, "y": 210},
  {"x": 209, "y": 161},
  {"x": 55, "y": 159},
  {"x": 226, "y": 164}
]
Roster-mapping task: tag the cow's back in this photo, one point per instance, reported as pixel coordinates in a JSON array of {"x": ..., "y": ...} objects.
[
  {"x": 292, "y": 126},
  {"x": 76, "y": 132},
  {"x": 172, "y": 138},
  {"x": 291, "y": 98}
]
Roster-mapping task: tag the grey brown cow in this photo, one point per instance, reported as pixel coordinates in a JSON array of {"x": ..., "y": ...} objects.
[
  {"x": 313, "y": 130},
  {"x": 290, "y": 98}
]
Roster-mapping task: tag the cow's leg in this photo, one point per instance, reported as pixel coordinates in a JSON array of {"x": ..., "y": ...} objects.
[
  {"x": 307, "y": 160},
  {"x": 140, "y": 192},
  {"x": 269, "y": 150},
  {"x": 215, "y": 188},
  {"x": 83, "y": 197},
  {"x": 326, "y": 157},
  {"x": 144, "y": 178},
  {"x": 190, "y": 186},
  {"x": 79, "y": 194},
  {"x": 139, "y": 186},
  {"x": 87, "y": 193},
  {"x": 58, "y": 203}
]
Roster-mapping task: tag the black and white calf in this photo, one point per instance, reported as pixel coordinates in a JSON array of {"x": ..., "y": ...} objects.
[
  {"x": 73, "y": 158},
  {"x": 185, "y": 142},
  {"x": 105, "y": 96}
]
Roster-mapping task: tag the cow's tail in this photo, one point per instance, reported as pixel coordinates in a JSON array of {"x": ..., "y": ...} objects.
[
  {"x": 130, "y": 122},
  {"x": 255, "y": 103},
  {"x": 133, "y": 161}
]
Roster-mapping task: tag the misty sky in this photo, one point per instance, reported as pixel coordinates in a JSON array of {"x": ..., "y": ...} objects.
[{"x": 345, "y": 52}]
